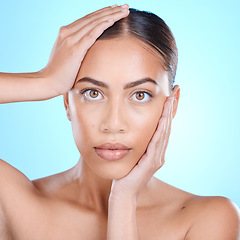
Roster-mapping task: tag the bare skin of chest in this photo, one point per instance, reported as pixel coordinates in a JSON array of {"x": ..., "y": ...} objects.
[
  {"x": 163, "y": 212},
  {"x": 63, "y": 222},
  {"x": 59, "y": 214}
]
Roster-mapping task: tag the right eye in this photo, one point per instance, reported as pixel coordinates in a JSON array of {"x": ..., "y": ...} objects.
[{"x": 91, "y": 94}]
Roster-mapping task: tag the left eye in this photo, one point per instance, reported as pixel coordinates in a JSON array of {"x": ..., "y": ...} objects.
[
  {"x": 141, "y": 96},
  {"x": 92, "y": 94}
]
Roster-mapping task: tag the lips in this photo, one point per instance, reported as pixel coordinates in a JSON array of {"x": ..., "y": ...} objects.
[{"x": 112, "y": 151}]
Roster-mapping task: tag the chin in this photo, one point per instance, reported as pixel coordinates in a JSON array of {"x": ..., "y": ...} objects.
[
  {"x": 114, "y": 173},
  {"x": 119, "y": 175}
]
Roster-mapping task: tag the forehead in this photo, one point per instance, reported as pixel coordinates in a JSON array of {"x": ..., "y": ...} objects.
[{"x": 122, "y": 60}]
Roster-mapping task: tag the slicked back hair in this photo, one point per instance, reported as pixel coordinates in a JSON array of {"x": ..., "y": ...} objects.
[{"x": 152, "y": 30}]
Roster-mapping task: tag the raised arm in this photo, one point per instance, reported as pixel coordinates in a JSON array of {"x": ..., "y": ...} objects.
[
  {"x": 19, "y": 87},
  {"x": 58, "y": 76}
]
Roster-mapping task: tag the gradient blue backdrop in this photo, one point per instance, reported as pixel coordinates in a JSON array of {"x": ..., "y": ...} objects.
[{"x": 203, "y": 153}]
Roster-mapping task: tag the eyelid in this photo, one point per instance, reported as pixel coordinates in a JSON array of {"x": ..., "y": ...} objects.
[
  {"x": 87, "y": 89},
  {"x": 150, "y": 95},
  {"x": 144, "y": 91},
  {"x": 147, "y": 92},
  {"x": 83, "y": 91}
]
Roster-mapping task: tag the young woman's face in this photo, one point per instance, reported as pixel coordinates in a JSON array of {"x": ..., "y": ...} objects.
[{"x": 118, "y": 97}]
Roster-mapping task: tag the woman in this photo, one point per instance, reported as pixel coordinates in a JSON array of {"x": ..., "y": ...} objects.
[{"x": 112, "y": 79}]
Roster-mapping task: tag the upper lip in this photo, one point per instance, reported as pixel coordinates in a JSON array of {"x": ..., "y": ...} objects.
[{"x": 113, "y": 146}]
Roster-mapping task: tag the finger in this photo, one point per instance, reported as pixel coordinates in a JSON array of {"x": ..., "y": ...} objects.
[
  {"x": 163, "y": 143},
  {"x": 153, "y": 146},
  {"x": 93, "y": 30},
  {"x": 95, "y": 15},
  {"x": 168, "y": 135},
  {"x": 161, "y": 128},
  {"x": 90, "y": 27},
  {"x": 150, "y": 162},
  {"x": 147, "y": 163},
  {"x": 88, "y": 40},
  {"x": 99, "y": 11},
  {"x": 104, "y": 14},
  {"x": 168, "y": 120}
]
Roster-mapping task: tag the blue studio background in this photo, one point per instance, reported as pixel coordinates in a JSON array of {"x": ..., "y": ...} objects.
[{"x": 203, "y": 156}]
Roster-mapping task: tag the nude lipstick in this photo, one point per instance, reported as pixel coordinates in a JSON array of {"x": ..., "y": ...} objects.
[{"x": 112, "y": 151}]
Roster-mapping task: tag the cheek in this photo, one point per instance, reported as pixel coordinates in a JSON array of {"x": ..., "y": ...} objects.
[
  {"x": 145, "y": 127},
  {"x": 84, "y": 129}
]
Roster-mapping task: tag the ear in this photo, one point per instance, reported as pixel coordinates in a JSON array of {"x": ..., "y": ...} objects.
[
  {"x": 176, "y": 94},
  {"x": 66, "y": 105}
]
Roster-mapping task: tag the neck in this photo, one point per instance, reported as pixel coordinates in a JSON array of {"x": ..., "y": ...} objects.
[{"x": 92, "y": 190}]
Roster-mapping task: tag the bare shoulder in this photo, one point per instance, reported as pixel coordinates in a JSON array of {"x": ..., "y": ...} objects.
[
  {"x": 201, "y": 217},
  {"x": 11, "y": 177},
  {"x": 13, "y": 184},
  {"x": 213, "y": 218}
]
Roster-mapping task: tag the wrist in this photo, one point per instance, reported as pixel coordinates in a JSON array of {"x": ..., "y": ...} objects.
[
  {"x": 122, "y": 223},
  {"x": 122, "y": 200},
  {"x": 47, "y": 83}
]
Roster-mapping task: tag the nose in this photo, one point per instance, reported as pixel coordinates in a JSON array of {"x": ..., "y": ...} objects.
[{"x": 114, "y": 118}]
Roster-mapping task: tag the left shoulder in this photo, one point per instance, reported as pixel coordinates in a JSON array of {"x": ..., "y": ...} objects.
[{"x": 216, "y": 218}]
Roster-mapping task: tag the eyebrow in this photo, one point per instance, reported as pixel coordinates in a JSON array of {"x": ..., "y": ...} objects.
[{"x": 126, "y": 86}]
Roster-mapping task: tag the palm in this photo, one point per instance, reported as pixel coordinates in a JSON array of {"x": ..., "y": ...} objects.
[{"x": 152, "y": 160}]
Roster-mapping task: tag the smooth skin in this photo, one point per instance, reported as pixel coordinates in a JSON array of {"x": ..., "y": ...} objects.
[{"x": 83, "y": 202}]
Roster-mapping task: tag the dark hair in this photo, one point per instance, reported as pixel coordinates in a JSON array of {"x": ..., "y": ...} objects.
[{"x": 152, "y": 30}]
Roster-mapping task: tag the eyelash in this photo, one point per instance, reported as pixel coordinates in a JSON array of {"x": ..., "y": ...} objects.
[
  {"x": 146, "y": 93},
  {"x": 84, "y": 91}
]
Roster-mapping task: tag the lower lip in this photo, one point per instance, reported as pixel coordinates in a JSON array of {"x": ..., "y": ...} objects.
[{"x": 111, "y": 155}]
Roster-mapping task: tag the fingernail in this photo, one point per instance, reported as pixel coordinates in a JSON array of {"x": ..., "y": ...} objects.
[
  {"x": 115, "y": 5},
  {"x": 124, "y": 6},
  {"x": 124, "y": 10}
]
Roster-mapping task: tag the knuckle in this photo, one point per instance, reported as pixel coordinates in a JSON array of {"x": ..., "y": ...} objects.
[
  {"x": 159, "y": 164},
  {"x": 91, "y": 34},
  {"x": 81, "y": 47},
  {"x": 169, "y": 132},
  {"x": 69, "y": 41},
  {"x": 88, "y": 16},
  {"x": 162, "y": 162},
  {"x": 158, "y": 142},
  {"x": 93, "y": 21},
  {"x": 62, "y": 34},
  {"x": 74, "y": 48},
  {"x": 165, "y": 134},
  {"x": 62, "y": 31}
]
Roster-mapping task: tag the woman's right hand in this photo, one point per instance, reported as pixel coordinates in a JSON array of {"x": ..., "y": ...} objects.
[{"x": 72, "y": 44}]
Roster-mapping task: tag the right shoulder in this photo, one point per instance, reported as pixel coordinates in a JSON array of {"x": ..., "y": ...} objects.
[
  {"x": 13, "y": 183},
  {"x": 11, "y": 178}
]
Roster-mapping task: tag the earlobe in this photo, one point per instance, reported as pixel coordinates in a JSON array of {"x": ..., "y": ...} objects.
[
  {"x": 176, "y": 95},
  {"x": 66, "y": 105}
]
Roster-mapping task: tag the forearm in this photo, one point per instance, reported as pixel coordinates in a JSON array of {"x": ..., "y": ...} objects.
[
  {"x": 19, "y": 87},
  {"x": 122, "y": 221}
]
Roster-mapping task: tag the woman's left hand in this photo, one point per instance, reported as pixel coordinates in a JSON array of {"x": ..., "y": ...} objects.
[
  {"x": 122, "y": 219},
  {"x": 152, "y": 160}
]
